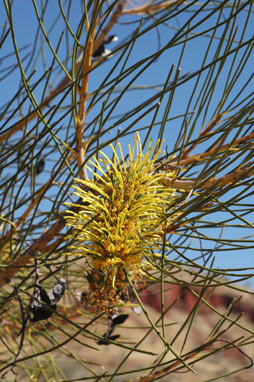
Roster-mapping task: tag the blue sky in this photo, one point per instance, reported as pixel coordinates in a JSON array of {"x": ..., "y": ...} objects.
[{"x": 188, "y": 58}]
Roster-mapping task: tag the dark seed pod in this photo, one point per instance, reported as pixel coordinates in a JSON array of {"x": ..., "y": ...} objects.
[
  {"x": 120, "y": 319},
  {"x": 44, "y": 304},
  {"x": 112, "y": 338},
  {"x": 41, "y": 313}
]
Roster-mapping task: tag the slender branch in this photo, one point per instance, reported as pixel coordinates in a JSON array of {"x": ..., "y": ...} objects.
[
  {"x": 194, "y": 354},
  {"x": 115, "y": 16},
  {"x": 37, "y": 246},
  {"x": 206, "y": 184},
  {"x": 200, "y": 157},
  {"x": 205, "y": 132},
  {"x": 80, "y": 122},
  {"x": 150, "y": 8},
  {"x": 36, "y": 200}
]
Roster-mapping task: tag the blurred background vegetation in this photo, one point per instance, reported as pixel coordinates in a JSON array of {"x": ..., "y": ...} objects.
[{"x": 181, "y": 74}]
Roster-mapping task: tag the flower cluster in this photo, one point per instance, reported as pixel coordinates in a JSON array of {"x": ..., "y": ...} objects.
[{"x": 120, "y": 221}]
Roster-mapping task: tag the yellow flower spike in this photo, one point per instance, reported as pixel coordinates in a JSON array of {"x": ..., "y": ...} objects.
[{"x": 120, "y": 221}]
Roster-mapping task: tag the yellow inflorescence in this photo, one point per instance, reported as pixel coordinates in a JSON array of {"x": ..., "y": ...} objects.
[{"x": 120, "y": 219}]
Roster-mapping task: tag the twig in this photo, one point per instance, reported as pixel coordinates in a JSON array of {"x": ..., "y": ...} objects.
[
  {"x": 23, "y": 321},
  {"x": 80, "y": 122},
  {"x": 91, "y": 48},
  {"x": 35, "y": 201},
  {"x": 172, "y": 368},
  {"x": 115, "y": 16},
  {"x": 206, "y": 184},
  {"x": 37, "y": 246},
  {"x": 200, "y": 157},
  {"x": 149, "y": 8},
  {"x": 205, "y": 132}
]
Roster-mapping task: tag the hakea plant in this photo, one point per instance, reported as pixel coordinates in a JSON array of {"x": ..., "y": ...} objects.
[{"x": 120, "y": 221}]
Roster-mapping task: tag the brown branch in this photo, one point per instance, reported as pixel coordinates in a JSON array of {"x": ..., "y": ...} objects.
[
  {"x": 80, "y": 123},
  {"x": 205, "y": 132},
  {"x": 36, "y": 200},
  {"x": 115, "y": 16},
  {"x": 222, "y": 181},
  {"x": 205, "y": 347},
  {"x": 38, "y": 246},
  {"x": 200, "y": 157},
  {"x": 150, "y": 8},
  {"x": 166, "y": 370},
  {"x": 52, "y": 94},
  {"x": 91, "y": 47}
]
